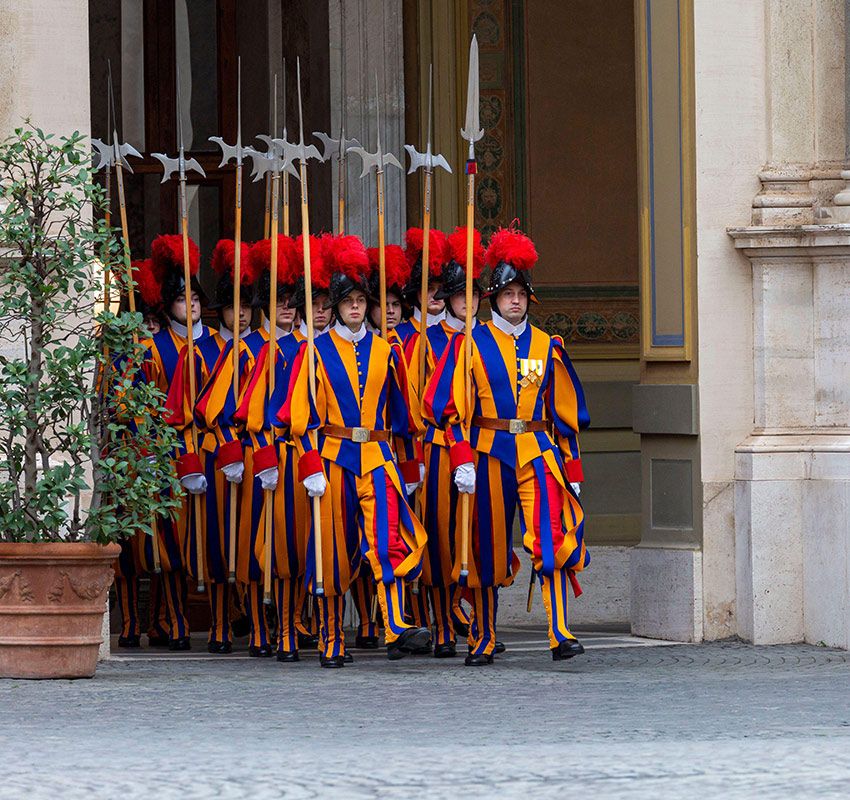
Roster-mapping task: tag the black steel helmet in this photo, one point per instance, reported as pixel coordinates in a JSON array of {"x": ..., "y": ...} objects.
[
  {"x": 510, "y": 256},
  {"x": 454, "y": 281},
  {"x": 343, "y": 285},
  {"x": 174, "y": 286}
]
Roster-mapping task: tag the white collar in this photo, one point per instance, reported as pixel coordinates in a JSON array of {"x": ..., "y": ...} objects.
[
  {"x": 182, "y": 330},
  {"x": 267, "y": 327},
  {"x": 302, "y": 328},
  {"x": 505, "y": 327},
  {"x": 433, "y": 319},
  {"x": 458, "y": 324},
  {"x": 225, "y": 333},
  {"x": 344, "y": 332}
]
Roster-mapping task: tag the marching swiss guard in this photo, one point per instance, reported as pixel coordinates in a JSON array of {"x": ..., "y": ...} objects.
[{"x": 521, "y": 450}]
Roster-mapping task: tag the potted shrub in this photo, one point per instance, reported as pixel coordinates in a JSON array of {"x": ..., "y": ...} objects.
[{"x": 83, "y": 454}]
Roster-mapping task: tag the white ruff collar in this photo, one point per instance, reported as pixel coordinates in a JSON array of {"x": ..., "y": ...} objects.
[
  {"x": 433, "y": 319},
  {"x": 505, "y": 327},
  {"x": 182, "y": 330},
  {"x": 344, "y": 332}
]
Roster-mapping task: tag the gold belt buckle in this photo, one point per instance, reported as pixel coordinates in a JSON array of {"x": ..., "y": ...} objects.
[
  {"x": 360, "y": 435},
  {"x": 517, "y": 426}
]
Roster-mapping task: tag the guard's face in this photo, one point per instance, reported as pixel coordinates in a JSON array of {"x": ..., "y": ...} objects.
[
  {"x": 352, "y": 309},
  {"x": 434, "y": 306},
  {"x": 512, "y": 303},
  {"x": 457, "y": 303},
  {"x": 393, "y": 311},
  {"x": 178, "y": 309},
  {"x": 285, "y": 317},
  {"x": 227, "y": 317},
  {"x": 153, "y": 325},
  {"x": 321, "y": 315}
]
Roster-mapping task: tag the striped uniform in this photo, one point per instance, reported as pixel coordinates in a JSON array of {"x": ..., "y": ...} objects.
[
  {"x": 364, "y": 512},
  {"x": 526, "y": 377}
]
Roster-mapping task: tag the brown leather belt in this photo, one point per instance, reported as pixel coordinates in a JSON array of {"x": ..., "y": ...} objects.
[
  {"x": 515, "y": 426},
  {"x": 359, "y": 435}
]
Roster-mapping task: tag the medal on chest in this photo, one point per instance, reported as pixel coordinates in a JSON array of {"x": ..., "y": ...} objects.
[{"x": 531, "y": 370}]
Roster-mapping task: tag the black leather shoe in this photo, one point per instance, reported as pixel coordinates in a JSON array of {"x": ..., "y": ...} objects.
[
  {"x": 447, "y": 650},
  {"x": 348, "y": 658},
  {"x": 332, "y": 662},
  {"x": 219, "y": 647},
  {"x": 366, "y": 642},
  {"x": 263, "y": 651},
  {"x": 183, "y": 643},
  {"x": 567, "y": 649},
  {"x": 129, "y": 641},
  {"x": 158, "y": 641},
  {"x": 288, "y": 656},
  {"x": 478, "y": 660},
  {"x": 306, "y": 642},
  {"x": 241, "y": 626},
  {"x": 410, "y": 640},
  {"x": 500, "y": 647}
]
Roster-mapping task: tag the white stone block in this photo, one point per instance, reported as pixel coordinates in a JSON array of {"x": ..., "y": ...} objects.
[
  {"x": 832, "y": 343},
  {"x": 667, "y": 598},
  {"x": 718, "y": 560}
]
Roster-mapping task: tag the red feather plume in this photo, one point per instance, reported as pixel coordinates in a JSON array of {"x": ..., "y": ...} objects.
[
  {"x": 437, "y": 253},
  {"x": 147, "y": 282},
  {"x": 514, "y": 247},
  {"x": 224, "y": 258},
  {"x": 167, "y": 254},
  {"x": 395, "y": 262},
  {"x": 457, "y": 250},
  {"x": 260, "y": 259},
  {"x": 320, "y": 270},
  {"x": 347, "y": 254}
]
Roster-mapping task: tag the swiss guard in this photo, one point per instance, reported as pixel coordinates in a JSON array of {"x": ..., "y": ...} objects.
[
  {"x": 362, "y": 403},
  {"x": 161, "y": 361},
  {"x": 521, "y": 450}
]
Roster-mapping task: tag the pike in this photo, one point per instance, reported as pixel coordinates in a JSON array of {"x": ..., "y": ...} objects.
[
  {"x": 337, "y": 148},
  {"x": 180, "y": 165},
  {"x": 301, "y": 152},
  {"x": 114, "y": 155},
  {"x": 471, "y": 132},
  {"x": 377, "y": 161},
  {"x": 228, "y": 153}
]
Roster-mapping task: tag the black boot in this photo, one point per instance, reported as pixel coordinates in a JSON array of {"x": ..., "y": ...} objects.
[
  {"x": 307, "y": 641},
  {"x": 332, "y": 662},
  {"x": 366, "y": 642},
  {"x": 288, "y": 656},
  {"x": 263, "y": 651},
  {"x": 219, "y": 647},
  {"x": 447, "y": 650},
  {"x": 178, "y": 645},
  {"x": 568, "y": 649},
  {"x": 241, "y": 626},
  {"x": 130, "y": 641},
  {"x": 158, "y": 641},
  {"x": 410, "y": 640},
  {"x": 478, "y": 660},
  {"x": 500, "y": 647},
  {"x": 348, "y": 658}
]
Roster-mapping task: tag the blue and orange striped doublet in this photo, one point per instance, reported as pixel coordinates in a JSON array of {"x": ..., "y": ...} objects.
[
  {"x": 527, "y": 378},
  {"x": 359, "y": 384}
]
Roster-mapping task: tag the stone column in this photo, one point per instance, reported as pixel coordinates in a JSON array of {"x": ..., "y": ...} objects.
[{"x": 369, "y": 42}]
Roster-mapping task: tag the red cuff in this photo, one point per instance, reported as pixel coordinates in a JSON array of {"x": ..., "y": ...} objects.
[
  {"x": 190, "y": 464},
  {"x": 575, "y": 474},
  {"x": 309, "y": 464},
  {"x": 230, "y": 453},
  {"x": 460, "y": 453},
  {"x": 409, "y": 471},
  {"x": 265, "y": 458}
]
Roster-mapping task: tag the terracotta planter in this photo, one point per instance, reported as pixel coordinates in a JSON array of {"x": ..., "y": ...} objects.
[{"x": 52, "y": 600}]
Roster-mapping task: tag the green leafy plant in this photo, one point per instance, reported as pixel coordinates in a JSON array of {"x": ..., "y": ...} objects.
[{"x": 84, "y": 454}]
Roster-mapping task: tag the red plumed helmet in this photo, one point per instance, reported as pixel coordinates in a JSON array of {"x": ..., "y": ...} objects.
[
  {"x": 320, "y": 270},
  {"x": 260, "y": 258},
  {"x": 167, "y": 254},
  {"x": 395, "y": 264},
  {"x": 224, "y": 258},
  {"x": 147, "y": 282},
  {"x": 511, "y": 246},
  {"x": 437, "y": 253},
  {"x": 347, "y": 254},
  {"x": 457, "y": 250}
]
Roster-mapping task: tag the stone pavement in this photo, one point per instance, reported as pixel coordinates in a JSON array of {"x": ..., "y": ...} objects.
[{"x": 631, "y": 718}]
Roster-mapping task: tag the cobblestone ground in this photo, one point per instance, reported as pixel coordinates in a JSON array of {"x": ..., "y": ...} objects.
[{"x": 629, "y": 719}]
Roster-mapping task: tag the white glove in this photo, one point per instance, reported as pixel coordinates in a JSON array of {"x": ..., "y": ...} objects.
[
  {"x": 421, "y": 474},
  {"x": 315, "y": 484},
  {"x": 195, "y": 483},
  {"x": 234, "y": 472},
  {"x": 465, "y": 478},
  {"x": 410, "y": 488},
  {"x": 268, "y": 478},
  {"x": 576, "y": 487}
]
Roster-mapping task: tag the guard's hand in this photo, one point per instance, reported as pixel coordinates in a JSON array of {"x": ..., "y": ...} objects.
[
  {"x": 194, "y": 483},
  {"x": 410, "y": 488},
  {"x": 268, "y": 479},
  {"x": 315, "y": 484},
  {"x": 234, "y": 472},
  {"x": 464, "y": 477},
  {"x": 421, "y": 473},
  {"x": 576, "y": 487}
]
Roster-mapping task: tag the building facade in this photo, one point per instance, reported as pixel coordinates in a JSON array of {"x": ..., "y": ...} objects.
[{"x": 679, "y": 164}]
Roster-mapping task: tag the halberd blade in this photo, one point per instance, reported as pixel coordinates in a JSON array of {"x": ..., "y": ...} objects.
[
  {"x": 473, "y": 131},
  {"x": 169, "y": 165},
  {"x": 227, "y": 151},
  {"x": 104, "y": 154}
]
